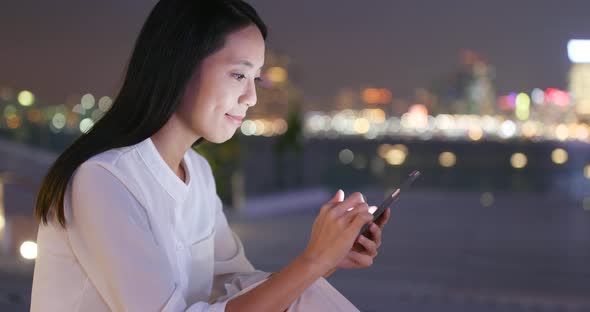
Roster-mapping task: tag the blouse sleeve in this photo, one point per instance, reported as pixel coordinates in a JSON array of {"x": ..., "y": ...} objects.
[
  {"x": 233, "y": 271},
  {"x": 229, "y": 251},
  {"x": 111, "y": 237}
]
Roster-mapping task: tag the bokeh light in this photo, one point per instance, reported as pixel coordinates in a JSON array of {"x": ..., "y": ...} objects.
[
  {"x": 105, "y": 103},
  {"x": 523, "y": 103},
  {"x": 9, "y": 111},
  {"x": 279, "y": 126},
  {"x": 487, "y": 199},
  {"x": 346, "y": 156},
  {"x": 508, "y": 129},
  {"x": 447, "y": 159},
  {"x": 578, "y": 50},
  {"x": 26, "y": 98},
  {"x": 248, "y": 127},
  {"x": 361, "y": 125},
  {"x": 518, "y": 160},
  {"x": 28, "y": 250},
  {"x": 86, "y": 124},
  {"x": 276, "y": 74},
  {"x": 538, "y": 96},
  {"x": 475, "y": 133},
  {"x": 87, "y": 101},
  {"x": 58, "y": 121},
  {"x": 376, "y": 95},
  {"x": 418, "y": 116},
  {"x": 529, "y": 129},
  {"x": 34, "y": 116},
  {"x": 13, "y": 122},
  {"x": 259, "y": 127},
  {"x": 559, "y": 156},
  {"x": 562, "y": 132},
  {"x": 557, "y": 97},
  {"x": 396, "y": 155}
]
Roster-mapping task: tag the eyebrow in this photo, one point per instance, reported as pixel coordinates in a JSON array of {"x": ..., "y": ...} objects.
[{"x": 246, "y": 63}]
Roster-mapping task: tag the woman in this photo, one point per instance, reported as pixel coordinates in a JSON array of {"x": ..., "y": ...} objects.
[{"x": 130, "y": 216}]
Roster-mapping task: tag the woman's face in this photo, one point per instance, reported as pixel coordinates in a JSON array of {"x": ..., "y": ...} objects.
[{"x": 223, "y": 87}]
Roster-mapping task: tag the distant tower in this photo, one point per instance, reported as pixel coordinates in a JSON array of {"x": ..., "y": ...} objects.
[
  {"x": 468, "y": 90},
  {"x": 478, "y": 89},
  {"x": 579, "y": 76}
]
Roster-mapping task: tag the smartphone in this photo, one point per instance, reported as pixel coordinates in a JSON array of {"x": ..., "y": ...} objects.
[{"x": 390, "y": 199}]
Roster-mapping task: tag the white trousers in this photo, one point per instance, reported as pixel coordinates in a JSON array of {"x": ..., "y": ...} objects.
[{"x": 321, "y": 296}]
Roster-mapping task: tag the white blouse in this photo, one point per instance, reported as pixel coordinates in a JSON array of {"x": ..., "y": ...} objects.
[{"x": 139, "y": 239}]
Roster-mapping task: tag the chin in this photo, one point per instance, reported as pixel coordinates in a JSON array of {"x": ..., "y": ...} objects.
[{"x": 218, "y": 139}]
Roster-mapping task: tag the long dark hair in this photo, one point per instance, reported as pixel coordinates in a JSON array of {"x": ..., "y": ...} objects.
[{"x": 176, "y": 37}]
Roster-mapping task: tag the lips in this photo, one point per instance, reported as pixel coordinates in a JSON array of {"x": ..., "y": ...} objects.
[{"x": 237, "y": 118}]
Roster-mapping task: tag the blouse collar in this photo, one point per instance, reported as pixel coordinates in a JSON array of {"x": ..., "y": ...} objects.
[{"x": 163, "y": 173}]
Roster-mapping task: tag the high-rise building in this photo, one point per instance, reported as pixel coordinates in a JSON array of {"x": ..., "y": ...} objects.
[
  {"x": 469, "y": 90},
  {"x": 579, "y": 76}
]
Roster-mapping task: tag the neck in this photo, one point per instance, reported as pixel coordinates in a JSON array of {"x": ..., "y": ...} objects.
[{"x": 172, "y": 141}]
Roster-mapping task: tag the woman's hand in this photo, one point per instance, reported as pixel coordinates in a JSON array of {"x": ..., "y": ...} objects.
[
  {"x": 365, "y": 249},
  {"x": 335, "y": 230}
]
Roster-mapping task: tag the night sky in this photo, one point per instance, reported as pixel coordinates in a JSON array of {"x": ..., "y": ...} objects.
[{"x": 57, "y": 48}]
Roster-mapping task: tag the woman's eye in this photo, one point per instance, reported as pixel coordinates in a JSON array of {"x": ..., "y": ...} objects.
[{"x": 239, "y": 76}]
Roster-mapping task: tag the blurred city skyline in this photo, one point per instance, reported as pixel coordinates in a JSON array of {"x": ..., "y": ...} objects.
[{"x": 332, "y": 45}]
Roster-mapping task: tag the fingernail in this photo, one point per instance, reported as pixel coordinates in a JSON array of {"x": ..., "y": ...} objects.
[
  {"x": 363, "y": 198},
  {"x": 340, "y": 194}
]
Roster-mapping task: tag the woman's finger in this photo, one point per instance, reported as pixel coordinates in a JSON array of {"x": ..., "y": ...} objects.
[
  {"x": 375, "y": 234},
  {"x": 357, "y": 209},
  {"x": 384, "y": 218},
  {"x": 361, "y": 218},
  {"x": 351, "y": 201},
  {"x": 369, "y": 245},
  {"x": 360, "y": 259}
]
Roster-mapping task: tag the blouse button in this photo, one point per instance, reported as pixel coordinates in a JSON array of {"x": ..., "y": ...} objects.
[{"x": 179, "y": 246}]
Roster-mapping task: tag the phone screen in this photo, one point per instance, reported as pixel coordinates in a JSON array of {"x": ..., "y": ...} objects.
[{"x": 391, "y": 198}]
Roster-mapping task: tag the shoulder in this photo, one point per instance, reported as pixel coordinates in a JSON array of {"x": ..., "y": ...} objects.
[
  {"x": 106, "y": 170},
  {"x": 111, "y": 158},
  {"x": 106, "y": 164},
  {"x": 99, "y": 188}
]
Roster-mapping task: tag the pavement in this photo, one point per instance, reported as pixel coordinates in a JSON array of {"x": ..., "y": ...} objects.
[
  {"x": 441, "y": 252},
  {"x": 447, "y": 252}
]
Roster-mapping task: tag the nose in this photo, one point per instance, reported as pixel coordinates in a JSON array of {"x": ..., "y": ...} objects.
[{"x": 248, "y": 96}]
